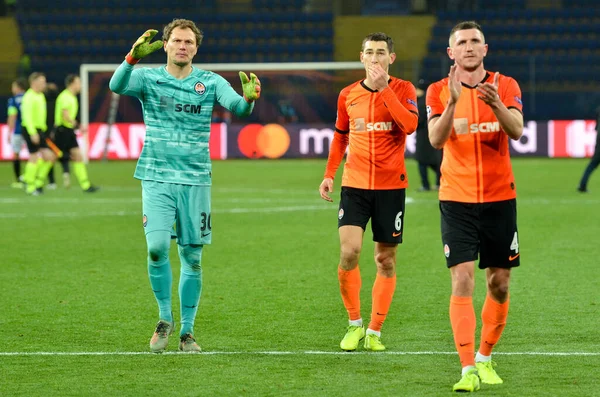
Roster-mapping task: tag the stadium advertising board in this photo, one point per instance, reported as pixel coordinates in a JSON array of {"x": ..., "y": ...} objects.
[
  {"x": 125, "y": 143},
  {"x": 556, "y": 138},
  {"x": 313, "y": 141}
]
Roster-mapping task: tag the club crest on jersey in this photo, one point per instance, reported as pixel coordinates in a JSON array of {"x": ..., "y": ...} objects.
[
  {"x": 144, "y": 220},
  {"x": 341, "y": 213},
  {"x": 446, "y": 250},
  {"x": 199, "y": 88}
]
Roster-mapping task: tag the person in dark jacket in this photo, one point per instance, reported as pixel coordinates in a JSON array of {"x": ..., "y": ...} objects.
[
  {"x": 426, "y": 155},
  {"x": 595, "y": 160}
]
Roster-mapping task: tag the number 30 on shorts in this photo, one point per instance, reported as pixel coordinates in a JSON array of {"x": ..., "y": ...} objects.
[{"x": 206, "y": 223}]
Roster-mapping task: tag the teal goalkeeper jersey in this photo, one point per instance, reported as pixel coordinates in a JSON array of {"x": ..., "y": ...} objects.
[{"x": 177, "y": 114}]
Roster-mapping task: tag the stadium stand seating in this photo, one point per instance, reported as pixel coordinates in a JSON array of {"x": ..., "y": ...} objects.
[
  {"x": 59, "y": 39},
  {"x": 386, "y": 7},
  {"x": 553, "y": 52}
]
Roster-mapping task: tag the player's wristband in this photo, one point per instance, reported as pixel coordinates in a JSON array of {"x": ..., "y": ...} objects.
[{"x": 131, "y": 60}]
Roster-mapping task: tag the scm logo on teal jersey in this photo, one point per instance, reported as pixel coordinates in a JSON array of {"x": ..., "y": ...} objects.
[
  {"x": 167, "y": 103},
  {"x": 187, "y": 108}
]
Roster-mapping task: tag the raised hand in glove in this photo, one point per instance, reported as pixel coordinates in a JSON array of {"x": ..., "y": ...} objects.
[
  {"x": 143, "y": 47},
  {"x": 250, "y": 87}
]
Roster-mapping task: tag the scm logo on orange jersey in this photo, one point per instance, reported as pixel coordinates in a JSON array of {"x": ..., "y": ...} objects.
[
  {"x": 462, "y": 126},
  {"x": 485, "y": 127},
  {"x": 380, "y": 126},
  {"x": 360, "y": 125}
]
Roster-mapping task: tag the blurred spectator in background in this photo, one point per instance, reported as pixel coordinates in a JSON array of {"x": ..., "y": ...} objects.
[
  {"x": 65, "y": 122},
  {"x": 51, "y": 93},
  {"x": 40, "y": 147},
  {"x": 288, "y": 113},
  {"x": 426, "y": 155},
  {"x": 24, "y": 66},
  {"x": 14, "y": 126},
  {"x": 595, "y": 161}
]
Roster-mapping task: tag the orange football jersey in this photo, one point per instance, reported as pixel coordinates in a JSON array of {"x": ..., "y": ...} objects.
[
  {"x": 476, "y": 164},
  {"x": 376, "y": 125}
]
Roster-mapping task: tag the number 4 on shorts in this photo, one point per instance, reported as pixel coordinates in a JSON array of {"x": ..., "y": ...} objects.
[{"x": 514, "y": 246}]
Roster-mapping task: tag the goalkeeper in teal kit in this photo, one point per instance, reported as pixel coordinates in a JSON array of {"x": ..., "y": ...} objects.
[{"x": 174, "y": 165}]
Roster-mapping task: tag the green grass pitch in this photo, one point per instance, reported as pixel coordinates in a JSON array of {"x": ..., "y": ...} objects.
[{"x": 73, "y": 280}]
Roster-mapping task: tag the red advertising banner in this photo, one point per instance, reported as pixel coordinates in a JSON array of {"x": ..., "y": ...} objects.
[
  {"x": 125, "y": 143},
  {"x": 571, "y": 138}
]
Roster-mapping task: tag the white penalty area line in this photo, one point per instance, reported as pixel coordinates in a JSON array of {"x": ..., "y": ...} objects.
[
  {"x": 293, "y": 353},
  {"x": 264, "y": 210}
]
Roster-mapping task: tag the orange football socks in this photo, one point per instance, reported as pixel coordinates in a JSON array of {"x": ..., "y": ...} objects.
[
  {"x": 383, "y": 292},
  {"x": 493, "y": 316},
  {"x": 350, "y": 283},
  {"x": 462, "y": 318}
]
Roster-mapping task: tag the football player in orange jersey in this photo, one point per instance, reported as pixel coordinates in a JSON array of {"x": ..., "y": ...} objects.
[
  {"x": 472, "y": 114},
  {"x": 374, "y": 116}
]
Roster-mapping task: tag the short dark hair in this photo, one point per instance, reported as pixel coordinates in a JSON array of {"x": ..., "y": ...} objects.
[
  {"x": 183, "y": 24},
  {"x": 21, "y": 82},
  {"x": 465, "y": 25},
  {"x": 379, "y": 36},
  {"x": 70, "y": 79},
  {"x": 35, "y": 75}
]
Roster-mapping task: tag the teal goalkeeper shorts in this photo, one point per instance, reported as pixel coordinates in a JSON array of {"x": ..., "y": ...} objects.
[{"x": 183, "y": 210}]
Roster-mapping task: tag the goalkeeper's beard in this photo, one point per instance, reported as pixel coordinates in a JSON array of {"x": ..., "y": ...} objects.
[{"x": 182, "y": 64}]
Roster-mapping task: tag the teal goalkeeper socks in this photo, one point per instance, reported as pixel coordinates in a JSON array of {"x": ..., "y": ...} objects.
[
  {"x": 159, "y": 271},
  {"x": 190, "y": 285}
]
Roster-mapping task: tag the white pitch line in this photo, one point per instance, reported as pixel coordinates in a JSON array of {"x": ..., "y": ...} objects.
[
  {"x": 67, "y": 214},
  {"x": 138, "y": 200},
  {"x": 265, "y": 210},
  {"x": 65, "y": 200},
  {"x": 294, "y": 353},
  {"x": 254, "y": 200},
  {"x": 26, "y": 201},
  {"x": 215, "y": 189}
]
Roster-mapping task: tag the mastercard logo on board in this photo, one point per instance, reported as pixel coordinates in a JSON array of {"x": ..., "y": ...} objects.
[{"x": 257, "y": 141}]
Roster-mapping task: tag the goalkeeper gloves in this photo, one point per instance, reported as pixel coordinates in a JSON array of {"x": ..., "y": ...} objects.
[
  {"x": 250, "y": 87},
  {"x": 142, "y": 47}
]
